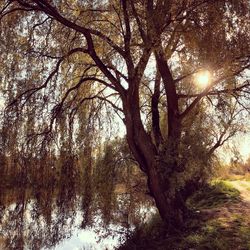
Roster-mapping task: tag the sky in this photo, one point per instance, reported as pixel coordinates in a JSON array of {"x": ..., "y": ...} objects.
[
  {"x": 241, "y": 142},
  {"x": 1, "y": 103}
]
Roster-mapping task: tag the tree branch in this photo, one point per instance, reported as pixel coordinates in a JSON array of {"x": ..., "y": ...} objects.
[
  {"x": 218, "y": 92},
  {"x": 29, "y": 92},
  {"x": 155, "y": 112}
]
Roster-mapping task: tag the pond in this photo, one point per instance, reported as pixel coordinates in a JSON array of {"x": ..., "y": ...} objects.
[{"x": 56, "y": 218}]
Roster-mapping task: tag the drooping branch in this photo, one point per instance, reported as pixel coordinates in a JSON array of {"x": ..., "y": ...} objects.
[
  {"x": 218, "y": 92},
  {"x": 206, "y": 92},
  {"x": 83, "y": 101},
  {"x": 30, "y": 92},
  {"x": 46, "y": 7},
  {"x": 224, "y": 137},
  {"x": 50, "y": 10},
  {"x": 3, "y": 14},
  {"x": 183, "y": 77},
  {"x": 59, "y": 106}
]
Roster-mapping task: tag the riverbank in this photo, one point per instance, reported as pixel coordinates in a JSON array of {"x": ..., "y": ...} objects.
[{"x": 220, "y": 221}]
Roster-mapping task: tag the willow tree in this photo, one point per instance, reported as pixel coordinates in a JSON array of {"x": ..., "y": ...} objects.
[{"x": 136, "y": 57}]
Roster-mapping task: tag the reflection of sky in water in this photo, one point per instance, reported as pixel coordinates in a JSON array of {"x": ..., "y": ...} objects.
[
  {"x": 78, "y": 239},
  {"x": 33, "y": 228},
  {"x": 87, "y": 239}
]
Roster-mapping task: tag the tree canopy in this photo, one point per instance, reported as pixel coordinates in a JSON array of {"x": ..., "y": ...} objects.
[{"x": 69, "y": 68}]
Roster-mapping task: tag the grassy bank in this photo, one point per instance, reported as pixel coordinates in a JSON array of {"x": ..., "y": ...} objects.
[{"x": 220, "y": 221}]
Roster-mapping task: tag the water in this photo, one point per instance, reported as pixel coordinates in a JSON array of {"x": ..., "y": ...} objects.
[{"x": 55, "y": 219}]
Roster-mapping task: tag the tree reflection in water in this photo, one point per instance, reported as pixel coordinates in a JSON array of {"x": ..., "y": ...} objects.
[
  {"x": 45, "y": 201},
  {"x": 41, "y": 218}
]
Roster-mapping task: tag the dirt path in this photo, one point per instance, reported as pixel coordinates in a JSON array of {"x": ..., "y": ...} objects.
[
  {"x": 229, "y": 212},
  {"x": 233, "y": 219},
  {"x": 244, "y": 188}
]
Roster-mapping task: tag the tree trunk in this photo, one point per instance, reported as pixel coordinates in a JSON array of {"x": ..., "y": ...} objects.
[{"x": 170, "y": 204}]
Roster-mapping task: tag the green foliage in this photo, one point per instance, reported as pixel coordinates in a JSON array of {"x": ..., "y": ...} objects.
[{"x": 214, "y": 195}]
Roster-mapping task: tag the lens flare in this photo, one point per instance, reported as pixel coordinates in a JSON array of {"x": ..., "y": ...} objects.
[{"x": 203, "y": 79}]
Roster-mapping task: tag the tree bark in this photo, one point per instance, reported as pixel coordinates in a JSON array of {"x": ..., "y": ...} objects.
[{"x": 169, "y": 204}]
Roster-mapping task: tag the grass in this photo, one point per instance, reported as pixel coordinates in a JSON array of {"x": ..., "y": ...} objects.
[
  {"x": 198, "y": 235},
  {"x": 200, "y": 232},
  {"x": 214, "y": 195},
  {"x": 237, "y": 177},
  {"x": 243, "y": 183}
]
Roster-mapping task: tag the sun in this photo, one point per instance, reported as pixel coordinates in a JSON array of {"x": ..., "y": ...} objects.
[{"x": 203, "y": 79}]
